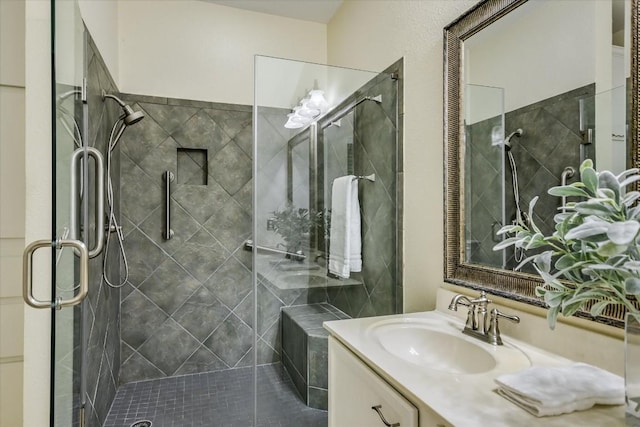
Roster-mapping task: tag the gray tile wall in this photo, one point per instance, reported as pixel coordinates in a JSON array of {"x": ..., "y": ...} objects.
[
  {"x": 377, "y": 149},
  {"x": 550, "y": 142},
  {"x": 187, "y": 306},
  {"x": 305, "y": 350},
  {"x": 102, "y": 307},
  {"x": 483, "y": 163}
]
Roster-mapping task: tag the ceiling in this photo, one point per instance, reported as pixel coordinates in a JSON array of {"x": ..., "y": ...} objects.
[{"x": 308, "y": 10}]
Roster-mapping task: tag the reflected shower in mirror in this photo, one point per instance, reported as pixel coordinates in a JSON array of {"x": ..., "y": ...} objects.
[{"x": 532, "y": 89}]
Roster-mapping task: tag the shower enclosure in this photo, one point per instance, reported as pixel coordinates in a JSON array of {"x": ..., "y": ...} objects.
[
  {"x": 354, "y": 133},
  {"x": 220, "y": 316}
]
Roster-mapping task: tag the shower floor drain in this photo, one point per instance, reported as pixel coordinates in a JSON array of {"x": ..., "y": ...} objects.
[{"x": 143, "y": 423}]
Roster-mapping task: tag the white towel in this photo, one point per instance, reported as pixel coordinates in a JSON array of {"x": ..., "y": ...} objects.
[
  {"x": 546, "y": 391},
  {"x": 345, "y": 242}
]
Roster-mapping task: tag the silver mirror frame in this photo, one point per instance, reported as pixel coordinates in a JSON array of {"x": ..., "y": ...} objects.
[{"x": 505, "y": 283}]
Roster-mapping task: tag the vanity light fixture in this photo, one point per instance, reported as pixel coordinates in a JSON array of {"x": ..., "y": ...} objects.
[{"x": 309, "y": 108}]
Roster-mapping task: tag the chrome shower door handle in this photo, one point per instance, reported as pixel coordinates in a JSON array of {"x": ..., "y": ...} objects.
[
  {"x": 168, "y": 179},
  {"x": 27, "y": 276},
  {"x": 74, "y": 231}
]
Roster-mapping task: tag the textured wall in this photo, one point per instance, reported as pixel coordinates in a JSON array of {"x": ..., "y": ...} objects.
[
  {"x": 550, "y": 142},
  {"x": 187, "y": 307}
]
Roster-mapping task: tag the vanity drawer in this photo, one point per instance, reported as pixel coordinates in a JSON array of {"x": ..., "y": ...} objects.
[{"x": 354, "y": 389}]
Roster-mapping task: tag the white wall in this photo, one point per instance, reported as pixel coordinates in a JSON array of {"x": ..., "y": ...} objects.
[
  {"x": 203, "y": 51},
  {"x": 38, "y": 204},
  {"x": 101, "y": 16},
  {"x": 372, "y": 35},
  {"x": 12, "y": 189},
  {"x": 561, "y": 57},
  {"x": 275, "y": 91}
]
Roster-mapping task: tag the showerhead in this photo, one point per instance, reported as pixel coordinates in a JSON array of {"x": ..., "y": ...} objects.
[
  {"x": 129, "y": 117},
  {"x": 507, "y": 141}
]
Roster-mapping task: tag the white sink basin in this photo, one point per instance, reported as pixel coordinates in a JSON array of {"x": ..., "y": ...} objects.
[
  {"x": 441, "y": 348},
  {"x": 434, "y": 349}
]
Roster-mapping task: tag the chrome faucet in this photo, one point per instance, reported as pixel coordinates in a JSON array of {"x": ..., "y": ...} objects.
[
  {"x": 481, "y": 323},
  {"x": 471, "y": 313}
]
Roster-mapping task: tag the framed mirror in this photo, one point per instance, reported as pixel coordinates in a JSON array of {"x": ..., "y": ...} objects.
[{"x": 532, "y": 88}]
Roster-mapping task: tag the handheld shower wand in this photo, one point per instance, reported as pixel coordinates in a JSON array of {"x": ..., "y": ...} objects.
[{"x": 129, "y": 117}]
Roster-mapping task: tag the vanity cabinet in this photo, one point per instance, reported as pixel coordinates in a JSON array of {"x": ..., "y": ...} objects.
[{"x": 354, "y": 389}]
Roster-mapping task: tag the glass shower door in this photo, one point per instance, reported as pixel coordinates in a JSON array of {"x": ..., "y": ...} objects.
[
  {"x": 66, "y": 250},
  {"x": 69, "y": 213},
  {"x": 296, "y": 159},
  {"x": 484, "y": 175}
]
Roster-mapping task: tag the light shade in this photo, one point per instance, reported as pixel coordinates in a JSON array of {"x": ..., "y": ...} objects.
[
  {"x": 293, "y": 125},
  {"x": 309, "y": 108},
  {"x": 317, "y": 101}
]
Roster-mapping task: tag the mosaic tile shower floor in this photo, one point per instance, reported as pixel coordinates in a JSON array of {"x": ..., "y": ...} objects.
[{"x": 215, "y": 399}]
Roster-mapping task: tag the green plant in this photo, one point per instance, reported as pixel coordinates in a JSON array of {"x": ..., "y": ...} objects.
[
  {"x": 294, "y": 225},
  {"x": 594, "y": 245}
]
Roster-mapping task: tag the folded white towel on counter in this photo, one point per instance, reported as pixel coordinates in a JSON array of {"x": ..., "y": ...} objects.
[
  {"x": 545, "y": 391},
  {"x": 345, "y": 241}
]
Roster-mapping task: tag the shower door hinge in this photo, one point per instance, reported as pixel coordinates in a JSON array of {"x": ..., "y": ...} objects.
[
  {"x": 83, "y": 90},
  {"x": 587, "y": 136}
]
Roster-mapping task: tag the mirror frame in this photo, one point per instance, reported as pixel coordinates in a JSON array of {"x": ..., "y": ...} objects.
[{"x": 505, "y": 283}]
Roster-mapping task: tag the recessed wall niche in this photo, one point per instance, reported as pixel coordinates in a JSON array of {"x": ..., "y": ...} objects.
[{"x": 192, "y": 166}]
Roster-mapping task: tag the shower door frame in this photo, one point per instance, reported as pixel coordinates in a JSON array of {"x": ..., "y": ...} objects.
[{"x": 69, "y": 340}]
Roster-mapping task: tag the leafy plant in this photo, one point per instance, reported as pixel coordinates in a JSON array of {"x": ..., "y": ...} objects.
[
  {"x": 594, "y": 245},
  {"x": 294, "y": 225}
]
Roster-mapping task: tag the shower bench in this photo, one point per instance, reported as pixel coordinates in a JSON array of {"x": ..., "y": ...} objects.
[{"x": 304, "y": 349}]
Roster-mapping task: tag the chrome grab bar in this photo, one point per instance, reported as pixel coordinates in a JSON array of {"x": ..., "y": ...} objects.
[
  {"x": 568, "y": 172},
  {"x": 248, "y": 246},
  {"x": 168, "y": 179},
  {"x": 99, "y": 198},
  {"x": 27, "y": 277}
]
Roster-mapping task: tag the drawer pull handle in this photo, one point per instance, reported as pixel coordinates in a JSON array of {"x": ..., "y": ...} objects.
[{"x": 378, "y": 409}]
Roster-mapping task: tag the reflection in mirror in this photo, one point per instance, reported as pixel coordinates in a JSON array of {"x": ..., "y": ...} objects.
[
  {"x": 542, "y": 86},
  {"x": 299, "y": 165}
]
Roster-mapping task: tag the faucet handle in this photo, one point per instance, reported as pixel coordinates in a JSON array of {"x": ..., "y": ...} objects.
[
  {"x": 495, "y": 313},
  {"x": 482, "y": 300},
  {"x": 493, "y": 335}
]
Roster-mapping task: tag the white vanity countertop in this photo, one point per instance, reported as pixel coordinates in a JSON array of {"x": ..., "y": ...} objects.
[{"x": 461, "y": 399}]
